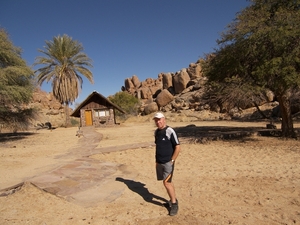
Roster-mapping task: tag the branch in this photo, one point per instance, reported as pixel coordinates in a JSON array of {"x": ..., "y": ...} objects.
[
  {"x": 296, "y": 114},
  {"x": 261, "y": 112}
]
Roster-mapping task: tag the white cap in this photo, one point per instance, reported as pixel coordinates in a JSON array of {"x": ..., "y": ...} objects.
[{"x": 158, "y": 115}]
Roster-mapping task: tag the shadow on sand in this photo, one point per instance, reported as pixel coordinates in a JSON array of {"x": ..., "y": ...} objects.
[
  {"x": 14, "y": 136},
  {"x": 202, "y": 134},
  {"x": 140, "y": 189}
]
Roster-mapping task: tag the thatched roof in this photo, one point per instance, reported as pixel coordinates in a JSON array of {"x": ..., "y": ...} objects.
[{"x": 76, "y": 112}]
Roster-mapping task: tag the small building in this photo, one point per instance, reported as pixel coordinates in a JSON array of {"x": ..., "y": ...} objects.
[{"x": 96, "y": 110}]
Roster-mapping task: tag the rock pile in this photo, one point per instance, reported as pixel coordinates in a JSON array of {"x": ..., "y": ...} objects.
[
  {"x": 49, "y": 109},
  {"x": 170, "y": 91},
  {"x": 183, "y": 92}
]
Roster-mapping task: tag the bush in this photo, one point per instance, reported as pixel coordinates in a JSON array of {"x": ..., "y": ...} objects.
[
  {"x": 127, "y": 102},
  {"x": 74, "y": 122}
]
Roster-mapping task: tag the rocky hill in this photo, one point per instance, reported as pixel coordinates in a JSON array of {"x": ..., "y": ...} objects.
[
  {"x": 48, "y": 109},
  {"x": 182, "y": 91}
]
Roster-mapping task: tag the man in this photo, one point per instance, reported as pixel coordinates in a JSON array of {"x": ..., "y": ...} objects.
[{"x": 167, "y": 150}]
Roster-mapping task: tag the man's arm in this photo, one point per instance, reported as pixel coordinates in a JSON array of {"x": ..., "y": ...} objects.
[{"x": 176, "y": 152}]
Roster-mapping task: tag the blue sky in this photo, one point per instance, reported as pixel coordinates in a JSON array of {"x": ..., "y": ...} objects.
[{"x": 122, "y": 37}]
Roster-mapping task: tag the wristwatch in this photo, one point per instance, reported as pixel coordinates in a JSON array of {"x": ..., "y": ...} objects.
[{"x": 172, "y": 160}]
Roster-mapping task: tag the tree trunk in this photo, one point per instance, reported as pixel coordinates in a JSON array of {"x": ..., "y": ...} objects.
[
  {"x": 67, "y": 115},
  {"x": 287, "y": 127}
]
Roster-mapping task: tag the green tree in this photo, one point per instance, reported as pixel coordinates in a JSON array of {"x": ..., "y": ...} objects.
[
  {"x": 261, "y": 50},
  {"x": 62, "y": 66},
  {"x": 126, "y": 101},
  {"x": 16, "y": 86}
]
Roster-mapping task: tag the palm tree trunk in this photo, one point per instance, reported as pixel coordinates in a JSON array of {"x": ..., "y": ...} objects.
[{"x": 67, "y": 115}]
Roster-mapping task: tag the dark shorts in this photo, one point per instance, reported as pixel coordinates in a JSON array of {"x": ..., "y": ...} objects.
[{"x": 165, "y": 171}]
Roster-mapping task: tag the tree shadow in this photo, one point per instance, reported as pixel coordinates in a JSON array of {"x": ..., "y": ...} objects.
[
  {"x": 140, "y": 189},
  {"x": 202, "y": 134},
  {"x": 4, "y": 137}
]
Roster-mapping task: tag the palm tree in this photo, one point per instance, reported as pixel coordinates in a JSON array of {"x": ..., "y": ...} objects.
[{"x": 62, "y": 65}]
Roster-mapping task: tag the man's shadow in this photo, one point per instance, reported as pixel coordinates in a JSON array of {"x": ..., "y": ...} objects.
[{"x": 140, "y": 189}]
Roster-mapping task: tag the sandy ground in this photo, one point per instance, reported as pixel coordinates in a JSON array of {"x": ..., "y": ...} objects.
[{"x": 254, "y": 180}]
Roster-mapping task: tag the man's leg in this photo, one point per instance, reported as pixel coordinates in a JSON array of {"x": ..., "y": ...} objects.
[
  {"x": 170, "y": 190},
  {"x": 168, "y": 175}
]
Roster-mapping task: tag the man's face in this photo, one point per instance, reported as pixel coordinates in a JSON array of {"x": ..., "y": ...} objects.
[{"x": 160, "y": 123}]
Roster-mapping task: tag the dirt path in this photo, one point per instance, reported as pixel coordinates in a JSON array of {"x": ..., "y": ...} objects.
[{"x": 250, "y": 180}]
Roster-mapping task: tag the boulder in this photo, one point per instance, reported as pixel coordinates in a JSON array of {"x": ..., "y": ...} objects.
[
  {"x": 180, "y": 81},
  {"x": 164, "y": 97},
  {"x": 270, "y": 96},
  {"x": 145, "y": 92},
  {"x": 158, "y": 83},
  {"x": 150, "y": 108},
  {"x": 129, "y": 86},
  {"x": 149, "y": 81},
  {"x": 194, "y": 70},
  {"x": 167, "y": 80},
  {"x": 135, "y": 81}
]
